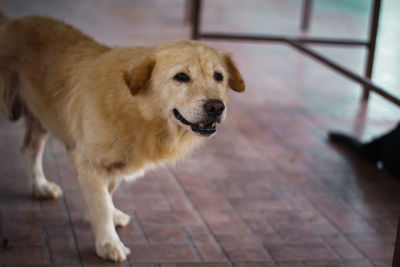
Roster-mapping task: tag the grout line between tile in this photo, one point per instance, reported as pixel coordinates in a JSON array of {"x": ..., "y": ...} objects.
[
  {"x": 155, "y": 263},
  {"x": 240, "y": 217},
  {"x": 229, "y": 202},
  {"x": 317, "y": 234},
  {"x": 199, "y": 215},
  {"x": 326, "y": 243},
  {"x": 236, "y": 184},
  {"x": 47, "y": 244},
  {"x": 127, "y": 263},
  {"x": 341, "y": 233},
  {"x": 71, "y": 227},
  {"x": 365, "y": 218},
  {"x": 267, "y": 252},
  {"x": 164, "y": 196},
  {"x": 191, "y": 244},
  {"x": 141, "y": 229},
  {"x": 271, "y": 225}
]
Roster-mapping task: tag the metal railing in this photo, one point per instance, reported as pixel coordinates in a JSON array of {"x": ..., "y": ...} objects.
[{"x": 300, "y": 44}]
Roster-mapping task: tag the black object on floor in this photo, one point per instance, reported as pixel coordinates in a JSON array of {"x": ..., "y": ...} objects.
[{"x": 384, "y": 149}]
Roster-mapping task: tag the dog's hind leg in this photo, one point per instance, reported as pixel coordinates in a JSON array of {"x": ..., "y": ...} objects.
[{"x": 32, "y": 148}]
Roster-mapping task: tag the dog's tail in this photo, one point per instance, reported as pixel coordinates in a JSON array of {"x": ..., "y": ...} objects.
[
  {"x": 10, "y": 104},
  {"x": 2, "y": 17}
]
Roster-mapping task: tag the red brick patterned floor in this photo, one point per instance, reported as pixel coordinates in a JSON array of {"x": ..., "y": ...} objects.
[{"x": 268, "y": 190}]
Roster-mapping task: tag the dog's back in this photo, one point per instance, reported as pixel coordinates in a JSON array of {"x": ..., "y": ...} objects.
[{"x": 39, "y": 58}]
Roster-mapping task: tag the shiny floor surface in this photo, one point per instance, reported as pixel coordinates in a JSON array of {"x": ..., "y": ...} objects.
[{"x": 268, "y": 189}]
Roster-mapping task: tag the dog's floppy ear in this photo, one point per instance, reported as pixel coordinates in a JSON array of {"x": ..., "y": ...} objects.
[
  {"x": 137, "y": 79},
  {"x": 235, "y": 82}
]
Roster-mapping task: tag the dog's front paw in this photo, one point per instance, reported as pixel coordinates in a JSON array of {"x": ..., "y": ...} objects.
[
  {"x": 112, "y": 250},
  {"x": 120, "y": 218},
  {"x": 46, "y": 190}
]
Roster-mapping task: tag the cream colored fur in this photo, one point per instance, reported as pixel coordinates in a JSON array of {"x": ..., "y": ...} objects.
[{"x": 112, "y": 108}]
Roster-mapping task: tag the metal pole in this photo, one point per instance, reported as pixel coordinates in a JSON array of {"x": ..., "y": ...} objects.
[
  {"x": 306, "y": 11},
  {"x": 282, "y": 38},
  {"x": 373, "y": 29},
  {"x": 196, "y": 7},
  {"x": 346, "y": 72}
]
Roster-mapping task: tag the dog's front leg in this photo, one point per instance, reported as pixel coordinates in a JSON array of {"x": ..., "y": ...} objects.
[
  {"x": 119, "y": 217},
  {"x": 100, "y": 211}
]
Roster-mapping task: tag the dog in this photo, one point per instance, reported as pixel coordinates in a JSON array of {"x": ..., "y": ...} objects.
[{"x": 117, "y": 111}]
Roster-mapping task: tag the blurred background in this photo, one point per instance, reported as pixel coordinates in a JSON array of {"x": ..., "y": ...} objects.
[
  {"x": 123, "y": 22},
  {"x": 268, "y": 190}
]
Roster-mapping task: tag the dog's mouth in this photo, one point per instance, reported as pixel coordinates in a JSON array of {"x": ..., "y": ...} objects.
[{"x": 201, "y": 128}]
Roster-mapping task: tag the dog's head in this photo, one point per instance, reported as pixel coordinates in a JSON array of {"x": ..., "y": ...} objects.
[{"x": 186, "y": 83}]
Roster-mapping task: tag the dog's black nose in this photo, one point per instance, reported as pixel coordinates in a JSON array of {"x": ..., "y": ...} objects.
[{"x": 214, "y": 108}]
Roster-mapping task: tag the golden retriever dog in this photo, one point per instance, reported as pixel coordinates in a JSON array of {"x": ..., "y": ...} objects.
[{"x": 118, "y": 111}]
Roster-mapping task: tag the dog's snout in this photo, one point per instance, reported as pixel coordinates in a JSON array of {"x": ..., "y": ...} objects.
[{"x": 214, "y": 108}]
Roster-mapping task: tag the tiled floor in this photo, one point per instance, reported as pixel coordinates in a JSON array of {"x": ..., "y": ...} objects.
[{"x": 268, "y": 190}]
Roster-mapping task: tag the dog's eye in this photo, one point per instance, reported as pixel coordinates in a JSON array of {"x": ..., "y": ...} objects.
[
  {"x": 182, "y": 77},
  {"x": 218, "y": 76}
]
